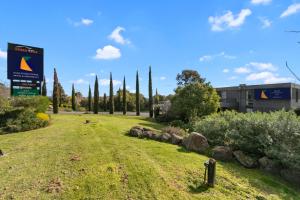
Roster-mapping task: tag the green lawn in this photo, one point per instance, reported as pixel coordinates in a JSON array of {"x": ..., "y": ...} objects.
[{"x": 73, "y": 160}]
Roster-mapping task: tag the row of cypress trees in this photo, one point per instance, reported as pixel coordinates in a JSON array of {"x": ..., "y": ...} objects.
[{"x": 95, "y": 107}]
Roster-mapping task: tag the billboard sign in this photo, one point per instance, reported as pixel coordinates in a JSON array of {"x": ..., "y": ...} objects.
[
  {"x": 25, "y": 62},
  {"x": 273, "y": 94},
  {"x": 25, "y": 92}
]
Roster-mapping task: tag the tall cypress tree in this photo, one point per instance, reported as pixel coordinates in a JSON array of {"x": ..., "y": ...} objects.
[
  {"x": 104, "y": 102},
  {"x": 137, "y": 95},
  {"x": 55, "y": 93},
  {"x": 156, "y": 97},
  {"x": 150, "y": 94},
  {"x": 90, "y": 100},
  {"x": 124, "y": 97},
  {"x": 111, "y": 96},
  {"x": 44, "y": 87},
  {"x": 96, "y": 96},
  {"x": 119, "y": 100},
  {"x": 73, "y": 98}
]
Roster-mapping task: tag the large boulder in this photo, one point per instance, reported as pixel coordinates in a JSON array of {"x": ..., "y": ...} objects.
[
  {"x": 245, "y": 160},
  {"x": 196, "y": 142},
  {"x": 269, "y": 165},
  {"x": 154, "y": 136},
  {"x": 176, "y": 139},
  {"x": 222, "y": 153},
  {"x": 147, "y": 134},
  {"x": 165, "y": 137},
  {"x": 136, "y": 131},
  {"x": 291, "y": 175}
]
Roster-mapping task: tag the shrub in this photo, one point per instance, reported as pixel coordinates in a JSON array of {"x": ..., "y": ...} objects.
[
  {"x": 175, "y": 130},
  {"x": 43, "y": 116},
  {"x": 23, "y": 120},
  {"x": 4, "y": 104},
  {"x": 37, "y": 103},
  {"x": 276, "y": 134}
]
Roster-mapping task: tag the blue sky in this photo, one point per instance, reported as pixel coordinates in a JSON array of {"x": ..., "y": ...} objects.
[{"x": 227, "y": 42}]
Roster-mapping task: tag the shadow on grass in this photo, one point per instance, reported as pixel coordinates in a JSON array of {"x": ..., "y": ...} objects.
[{"x": 198, "y": 188}]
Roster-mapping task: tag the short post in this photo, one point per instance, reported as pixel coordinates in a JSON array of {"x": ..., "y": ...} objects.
[
  {"x": 1, "y": 153},
  {"x": 210, "y": 172}
]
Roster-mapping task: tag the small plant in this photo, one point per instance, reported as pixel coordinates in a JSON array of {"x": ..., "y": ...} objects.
[{"x": 175, "y": 131}]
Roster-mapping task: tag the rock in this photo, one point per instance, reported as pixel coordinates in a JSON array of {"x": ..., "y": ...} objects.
[
  {"x": 196, "y": 142},
  {"x": 291, "y": 175},
  {"x": 136, "y": 131},
  {"x": 1, "y": 153},
  {"x": 245, "y": 160},
  {"x": 165, "y": 137},
  {"x": 146, "y": 129},
  {"x": 222, "y": 153},
  {"x": 269, "y": 165},
  {"x": 176, "y": 139},
  {"x": 147, "y": 134},
  {"x": 154, "y": 136}
]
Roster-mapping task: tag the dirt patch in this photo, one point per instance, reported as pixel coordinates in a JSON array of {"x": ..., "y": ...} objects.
[
  {"x": 75, "y": 158},
  {"x": 55, "y": 186}
]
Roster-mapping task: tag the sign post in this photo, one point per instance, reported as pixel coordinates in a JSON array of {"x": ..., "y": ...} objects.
[{"x": 25, "y": 69}]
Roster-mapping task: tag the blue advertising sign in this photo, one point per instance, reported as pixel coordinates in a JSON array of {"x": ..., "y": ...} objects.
[
  {"x": 25, "y": 62},
  {"x": 273, "y": 94}
]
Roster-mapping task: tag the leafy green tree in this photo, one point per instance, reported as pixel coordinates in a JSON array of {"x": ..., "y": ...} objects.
[
  {"x": 150, "y": 94},
  {"x": 111, "y": 96},
  {"x": 62, "y": 95},
  {"x": 96, "y": 96},
  {"x": 104, "y": 102},
  {"x": 90, "y": 99},
  {"x": 137, "y": 94},
  {"x": 195, "y": 100},
  {"x": 73, "y": 98},
  {"x": 189, "y": 76},
  {"x": 119, "y": 101},
  {"x": 124, "y": 97},
  {"x": 156, "y": 100},
  {"x": 55, "y": 93},
  {"x": 44, "y": 87}
]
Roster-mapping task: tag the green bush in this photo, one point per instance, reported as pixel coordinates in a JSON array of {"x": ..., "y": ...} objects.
[
  {"x": 21, "y": 119},
  {"x": 276, "y": 134},
  {"x": 4, "y": 104},
  {"x": 37, "y": 103}
]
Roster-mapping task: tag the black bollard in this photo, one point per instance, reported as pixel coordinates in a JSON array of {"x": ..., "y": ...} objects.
[
  {"x": 210, "y": 172},
  {"x": 1, "y": 153}
]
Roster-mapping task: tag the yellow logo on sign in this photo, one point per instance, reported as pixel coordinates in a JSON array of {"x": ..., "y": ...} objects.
[
  {"x": 263, "y": 95},
  {"x": 24, "y": 65}
]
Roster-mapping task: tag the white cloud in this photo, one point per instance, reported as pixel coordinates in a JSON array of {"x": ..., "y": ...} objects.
[
  {"x": 117, "y": 37},
  {"x": 49, "y": 80},
  {"x": 80, "y": 81},
  {"x": 263, "y": 66},
  {"x": 225, "y": 70},
  {"x": 86, "y": 22},
  {"x": 228, "y": 20},
  {"x": 266, "y": 23},
  {"x": 242, "y": 70},
  {"x": 108, "y": 53},
  {"x": 82, "y": 22},
  {"x": 91, "y": 74},
  {"x": 105, "y": 82},
  {"x": 162, "y": 78},
  {"x": 3, "y": 54},
  {"x": 292, "y": 9},
  {"x": 207, "y": 58},
  {"x": 261, "y": 2},
  {"x": 268, "y": 77}
]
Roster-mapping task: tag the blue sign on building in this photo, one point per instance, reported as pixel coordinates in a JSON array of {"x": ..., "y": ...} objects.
[
  {"x": 273, "y": 94},
  {"x": 25, "y": 62}
]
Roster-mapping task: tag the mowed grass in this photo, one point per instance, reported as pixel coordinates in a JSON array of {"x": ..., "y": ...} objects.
[{"x": 73, "y": 160}]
